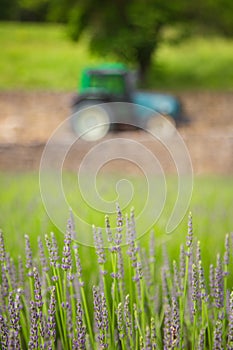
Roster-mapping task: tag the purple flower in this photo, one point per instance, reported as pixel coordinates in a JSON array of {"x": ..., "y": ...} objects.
[
  {"x": 38, "y": 300},
  {"x": 201, "y": 280},
  {"x": 4, "y": 332},
  {"x": 37, "y": 288},
  {"x": 219, "y": 284},
  {"x": 201, "y": 339},
  {"x": 43, "y": 259},
  {"x": 99, "y": 245},
  {"x": 189, "y": 238},
  {"x": 78, "y": 262},
  {"x": 148, "y": 345},
  {"x": 167, "y": 328},
  {"x": 182, "y": 267},
  {"x": 227, "y": 251},
  {"x": 133, "y": 224},
  {"x": 128, "y": 317},
  {"x": 11, "y": 269},
  {"x": 230, "y": 325},
  {"x": 120, "y": 266},
  {"x": 108, "y": 230},
  {"x": 137, "y": 277},
  {"x": 28, "y": 252},
  {"x": 165, "y": 286},
  {"x": 211, "y": 280},
  {"x": 118, "y": 236},
  {"x": 11, "y": 340},
  {"x": 4, "y": 282},
  {"x": 105, "y": 324},
  {"x": 2, "y": 248},
  {"x": 120, "y": 321},
  {"x": 51, "y": 324},
  {"x": 79, "y": 342},
  {"x": 34, "y": 339},
  {"x": 66, "y": 254},
  {"x": 194, "y": 287},
  {"x": 153, "y": 334},
  {"x": 146, "y": 269},
  {"x": 218, "y": 335},
  {"x": 14, "y": 313},
  {"x": 198, "y": 252},
  {"x": 101, "y": 317},
  {"x": 175, "y": 324},
  {"x": 53, "y": 250},
  {"x": 69, "y": 319},
  {"x": 176, "y": 279}
]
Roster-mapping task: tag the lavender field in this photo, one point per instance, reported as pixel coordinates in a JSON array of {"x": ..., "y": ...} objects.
[
  {"x": 130, "y": 299},
  {"x": 148, "y": 293}
]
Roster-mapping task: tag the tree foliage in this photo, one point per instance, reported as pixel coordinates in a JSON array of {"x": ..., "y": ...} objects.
[
  {"x": 133, "y": 29},
  {"x": 24, "y": 10},
  {"x": 129, "y": 29}
]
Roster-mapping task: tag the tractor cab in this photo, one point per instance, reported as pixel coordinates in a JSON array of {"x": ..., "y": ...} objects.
[{"x": 109, "y": 82}]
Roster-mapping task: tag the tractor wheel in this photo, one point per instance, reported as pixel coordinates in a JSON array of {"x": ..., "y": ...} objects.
[
  {"x": 161, "y": 125},
  {"x": 90, "y": 120}
]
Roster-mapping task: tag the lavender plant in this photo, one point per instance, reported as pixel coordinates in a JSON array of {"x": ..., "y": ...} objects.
[{"x": 136, "y": 300}]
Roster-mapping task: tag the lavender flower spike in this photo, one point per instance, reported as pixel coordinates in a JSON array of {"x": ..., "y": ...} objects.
[
  {"x": 189, "y": 238},
  {"x": 227, "y": 251},
  {"x": 175, "y": 324},
  {"x": 43, "y": 259},
  {"x": 79, "y": 341},
  {"x": 2, "y": 248},
  {"x": 66, "y": 254},
  {"x": 153, "y": 334},
  {"x": 28, "y": 251},
  {"x": 99, "y": 245},
  {"x": 4, "y": 332},
  {"x": 218, "y": 335},
  {"x": 100, "y": 311},
  {"x": 51, "y": 326},
  {"x": 53, "y": 250},
  {"x": 34, "y": 339},
  {"x": 118, "y": 235},
  {"x": 219, "y": 284},
  {"x": 108, "y": 229},
  {"x": 201, "y": 339},
  {"x": 230, "y": 325},
  {"x": 120, "y": 322}
]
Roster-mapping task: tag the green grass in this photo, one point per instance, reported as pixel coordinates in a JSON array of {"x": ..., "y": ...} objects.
[
  {"x": 22, "y": 211},
  {"x": 198, "y": 63},
  {"x": 42, "y": 57}
]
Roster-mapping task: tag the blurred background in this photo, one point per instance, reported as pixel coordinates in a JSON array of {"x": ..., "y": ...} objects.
[
  {"x": 184, "y": 49},
  {"x": 178, "y": 47}
]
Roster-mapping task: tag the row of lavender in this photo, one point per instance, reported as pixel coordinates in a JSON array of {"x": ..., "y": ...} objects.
[{"x": 134, "y": 301}]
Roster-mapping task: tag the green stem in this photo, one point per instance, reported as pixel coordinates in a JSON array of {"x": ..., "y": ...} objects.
[
  {"x": 108, "y": 307},
  {"x": 194, "y": 325},
  {"x": 60, "y": 320},
  {"x": 115, "y": 295},
  {"x": 183, "y": 299},
  {"x": 86, "y": 313}
]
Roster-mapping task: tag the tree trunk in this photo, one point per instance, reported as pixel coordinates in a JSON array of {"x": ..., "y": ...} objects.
[{"x": 144, "y": 59}]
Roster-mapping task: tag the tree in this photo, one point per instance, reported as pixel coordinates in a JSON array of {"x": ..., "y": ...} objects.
[
  {"x": 24, "y": 10},
  {"x": 8, "y": 10},
  {"x": 133, "y": 29}
]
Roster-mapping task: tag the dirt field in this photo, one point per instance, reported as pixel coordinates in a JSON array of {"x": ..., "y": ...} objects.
[{"x": 27, "y": 120}]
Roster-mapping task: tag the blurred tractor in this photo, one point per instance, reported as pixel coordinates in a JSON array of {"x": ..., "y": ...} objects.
[{"x": 108, "y": 100}]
